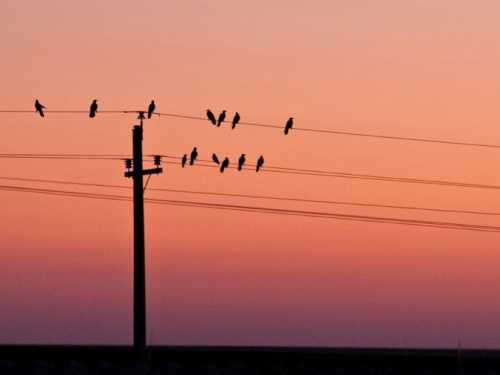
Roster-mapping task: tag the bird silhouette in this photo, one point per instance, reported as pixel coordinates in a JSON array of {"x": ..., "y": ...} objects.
[
  {"x": 241, "y": 161},
  {"x": 184, "y": 160},
  {"x": 151, "y": 108},
  {"x": 222, "y": 117},
  {"x": 93, "y": 108},
  {"x": 236, "y": 119},
  {"x": 194, "y": 155},
  {"x": 39, "y": 108},
  {"x": 211, "y": 117},
  {"x": 259, "y": 163},
  {"x": 215, "y": 158},
  {"x": 224, "y": 165},
  {"x": 289, "y": 125}
]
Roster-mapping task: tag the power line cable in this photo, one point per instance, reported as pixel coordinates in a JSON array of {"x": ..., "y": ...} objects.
[
  {"x": 271, "y": 169},
  {"x": 288, "y": 212},
  {"x": 64, "y": 156},
  {"x": 324, "y": 131},
  {"x": 264, "y": 197},
  {"x": 332, "y": 174}
]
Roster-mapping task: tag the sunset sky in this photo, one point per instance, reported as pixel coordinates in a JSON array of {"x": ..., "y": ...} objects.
[{"x": 348, "y": 70}]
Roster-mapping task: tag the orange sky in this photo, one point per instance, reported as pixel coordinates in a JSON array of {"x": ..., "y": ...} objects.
[{"x": 402, "y": 68}]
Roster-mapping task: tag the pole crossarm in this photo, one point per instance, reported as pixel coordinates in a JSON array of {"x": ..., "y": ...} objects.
[{"x": 145, "y": 172}]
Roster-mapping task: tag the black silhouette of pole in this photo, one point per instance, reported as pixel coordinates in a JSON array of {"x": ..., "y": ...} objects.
[
  {"x": 139, "y": 258},
  {"x": 139, "y": 249}
]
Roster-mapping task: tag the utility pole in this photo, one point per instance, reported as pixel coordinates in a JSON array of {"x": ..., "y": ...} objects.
[{"x": 139, "y": 258}]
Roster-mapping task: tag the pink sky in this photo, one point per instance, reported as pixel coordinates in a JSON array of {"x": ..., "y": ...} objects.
[{"x": 426, "y": 69}]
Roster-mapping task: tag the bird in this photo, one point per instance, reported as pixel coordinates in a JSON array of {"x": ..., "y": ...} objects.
[
  {"x": 215, "y": 158},
  {"x": 151, "y": 108},
  {"x": 260, "y": 162},
  {"x": 211, "y": 117},
  {"x": 184, "y": 160},
  {"x": 224, "y": 165},
  {"x": 222, "y": 117},
  {"x": 39, "y": 108},
  {"x": 236, "y": 119},
  {"x": 194, "y": 155},
  {"x": 93, "y": 108},
  {"x": 289, "y": 125},
  {"x": 241, "y": 161}
]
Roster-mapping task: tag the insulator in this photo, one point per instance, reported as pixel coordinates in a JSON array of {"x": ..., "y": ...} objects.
[
  {"x": 128, "y": 163},
  {"x": 157, "y": 160}
]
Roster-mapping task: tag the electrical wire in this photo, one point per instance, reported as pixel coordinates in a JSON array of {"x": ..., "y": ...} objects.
[
  {"x": 255, "y": 209},
  {"x": 332, "y": 174},
  {"x": 267, "y": 169},
  {"x": 262, "y": 197},
  {"x": 324, "y": 131},
  {"x": 65, "y": 156}
]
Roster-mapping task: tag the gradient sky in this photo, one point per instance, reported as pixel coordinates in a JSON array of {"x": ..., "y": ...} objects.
[{"x": 415, "y": 69}]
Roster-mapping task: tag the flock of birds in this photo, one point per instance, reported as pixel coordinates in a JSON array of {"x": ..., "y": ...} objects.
[
  {"x": 211, "y": 117},
  {"x": 194, "y": 154},
  {"x": 225, "y": 162}
]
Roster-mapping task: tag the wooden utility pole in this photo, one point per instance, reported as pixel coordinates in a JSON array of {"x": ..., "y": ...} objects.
[{"x": 139, "y": 259}]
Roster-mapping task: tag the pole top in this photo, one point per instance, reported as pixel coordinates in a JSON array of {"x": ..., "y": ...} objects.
[{"x": 141, "y": 117}]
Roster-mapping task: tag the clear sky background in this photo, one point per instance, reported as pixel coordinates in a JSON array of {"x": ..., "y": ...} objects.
[{"x": 401, "y": 68}]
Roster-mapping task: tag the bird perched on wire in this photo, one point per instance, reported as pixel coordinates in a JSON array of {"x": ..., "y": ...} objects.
[
  {"x": 39, "y": 108},
  {"x": 194, "y": 155},
  {"x": 93, "y": 108},
  {"x": 236, "y": 119},
  {"x": 224, "y": 165},
  {"x": 215, "y": 159},
  {"x": 260, "y": 162},
  {"x": 241, "y": 161},
  {"x": 211, "y": 117},
  {"x": 222, "y": 117},
  {"x": 288, "y": 125},
  {"x": 184, "y": 160},
  {"x": 151, "y": 108}
]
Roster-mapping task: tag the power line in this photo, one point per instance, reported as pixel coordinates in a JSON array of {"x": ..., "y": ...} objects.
[
  {"x": 270, "y": 169},
  {"x": 332, "y": 174},
  {"x": 263, "y": 197},
  {"x": 324, "y": 131},
  {"x": 64, "y": 156},
  {"x": 287, "y": 212},
  {"x": 347, "y": 133},
  {"x": 67, "y": 111}
]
